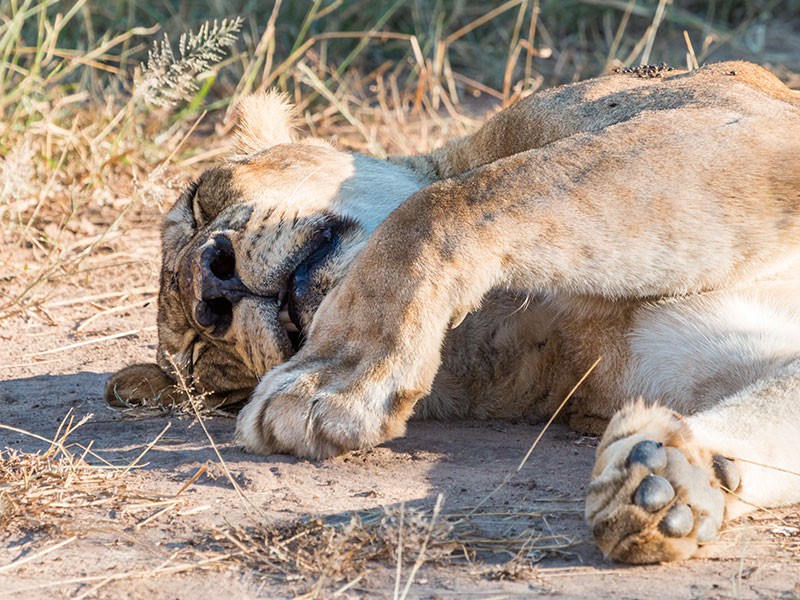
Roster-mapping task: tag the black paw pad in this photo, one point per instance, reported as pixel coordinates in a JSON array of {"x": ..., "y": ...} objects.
[
  {"x": 653, "y": 493},
  {"x": 678, "y": 522},
  {"x": 650, "y": 454}
]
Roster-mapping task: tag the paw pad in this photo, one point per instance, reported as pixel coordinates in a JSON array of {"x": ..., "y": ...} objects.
[
  {"x": 678, "y": 522},
  {"x": 700, "y": 509},
  {"x": 653, "y": 493},
  {"x": 650, "y": 454},
  {"x": 707, "y": 529}
]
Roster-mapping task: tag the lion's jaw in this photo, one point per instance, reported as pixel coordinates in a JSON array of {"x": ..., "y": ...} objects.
[{"x": 252, "y": 248}]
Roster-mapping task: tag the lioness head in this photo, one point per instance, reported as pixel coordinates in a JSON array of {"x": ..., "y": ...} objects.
[{"x": 250, "y": 250}]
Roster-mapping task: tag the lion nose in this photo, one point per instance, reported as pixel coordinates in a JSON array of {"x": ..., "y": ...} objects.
[{"x": 220, "y": 286}]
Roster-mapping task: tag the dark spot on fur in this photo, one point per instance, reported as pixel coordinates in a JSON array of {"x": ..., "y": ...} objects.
[
  {"x": 262, "y": 413},
  {"x": 477, "y": 198},
  {"x": 788, "y": 213},
  {"x": 643, "y": 98}
]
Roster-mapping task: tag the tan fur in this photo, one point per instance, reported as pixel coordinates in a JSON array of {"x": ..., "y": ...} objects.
[{"x": 653, "y": 222}]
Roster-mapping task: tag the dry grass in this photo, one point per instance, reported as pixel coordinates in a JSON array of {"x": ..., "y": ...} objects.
[
  {"x": 45, "y": 491},
  {"x": 67, "y": 486},
  {"x": 59, "y": 492},
  {"x": 318, "y": 556},
  {"x": 67, "y": 492}
]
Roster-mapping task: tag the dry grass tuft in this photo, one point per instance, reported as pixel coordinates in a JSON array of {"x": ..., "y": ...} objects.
[
  {"x": 57, "y": 490},
  {"x": 81, "y": 163},
  {"x": 180, "y": 401},
  {"x": 317, "y": 552},
  {"x": 319, "y": 555},
  {"x": 167, "y": 80}
]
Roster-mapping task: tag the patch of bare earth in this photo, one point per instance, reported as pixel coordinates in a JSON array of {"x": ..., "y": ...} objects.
[{"x": 96, "y": 503}]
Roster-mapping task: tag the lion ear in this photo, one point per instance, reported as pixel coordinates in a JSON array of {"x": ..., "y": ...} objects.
[
  {"x": 264, "y": 120},
  {"x": 141, "y": 384}
]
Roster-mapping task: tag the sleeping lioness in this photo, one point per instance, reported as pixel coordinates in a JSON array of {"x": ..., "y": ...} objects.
[{"x": 650, "y": 221}]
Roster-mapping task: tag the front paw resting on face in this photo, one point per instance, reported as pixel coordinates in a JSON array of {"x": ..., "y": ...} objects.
[
  {"x": 371, "y": 352},
  {"x": 321, "y": 407},
  {"x": 654, "y": 494}
]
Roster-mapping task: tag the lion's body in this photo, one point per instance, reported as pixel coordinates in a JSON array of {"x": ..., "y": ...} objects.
[
  {"x": 712, "y": 339},
  {"x": 652, "y": 222}
]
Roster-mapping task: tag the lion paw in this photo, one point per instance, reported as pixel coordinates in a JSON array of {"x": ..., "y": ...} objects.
[
  {"x": 319, "y": 409},
  {"x": 655, "y": 495}
]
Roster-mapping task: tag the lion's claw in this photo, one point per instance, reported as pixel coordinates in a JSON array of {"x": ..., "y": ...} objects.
[{"x": 727, "y": 472}]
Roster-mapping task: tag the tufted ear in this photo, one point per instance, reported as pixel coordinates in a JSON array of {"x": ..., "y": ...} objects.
[
  {"x": 142, "y": 384},
  {"x": 264, "y": 120}
]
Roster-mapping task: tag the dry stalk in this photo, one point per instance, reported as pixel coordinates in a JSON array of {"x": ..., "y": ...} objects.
[
  {"x": 511, "y": 475},
  {"x": 200, "y": 410}
]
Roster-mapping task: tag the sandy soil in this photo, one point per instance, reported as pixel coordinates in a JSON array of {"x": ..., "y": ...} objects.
[{"x": 163, "y": 546}]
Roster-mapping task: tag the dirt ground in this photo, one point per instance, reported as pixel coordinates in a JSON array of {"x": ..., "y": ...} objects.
[{"x": 175, "y": 526}]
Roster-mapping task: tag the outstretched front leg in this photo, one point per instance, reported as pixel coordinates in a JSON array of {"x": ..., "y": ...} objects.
[{"x": 550, "y": 220}]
